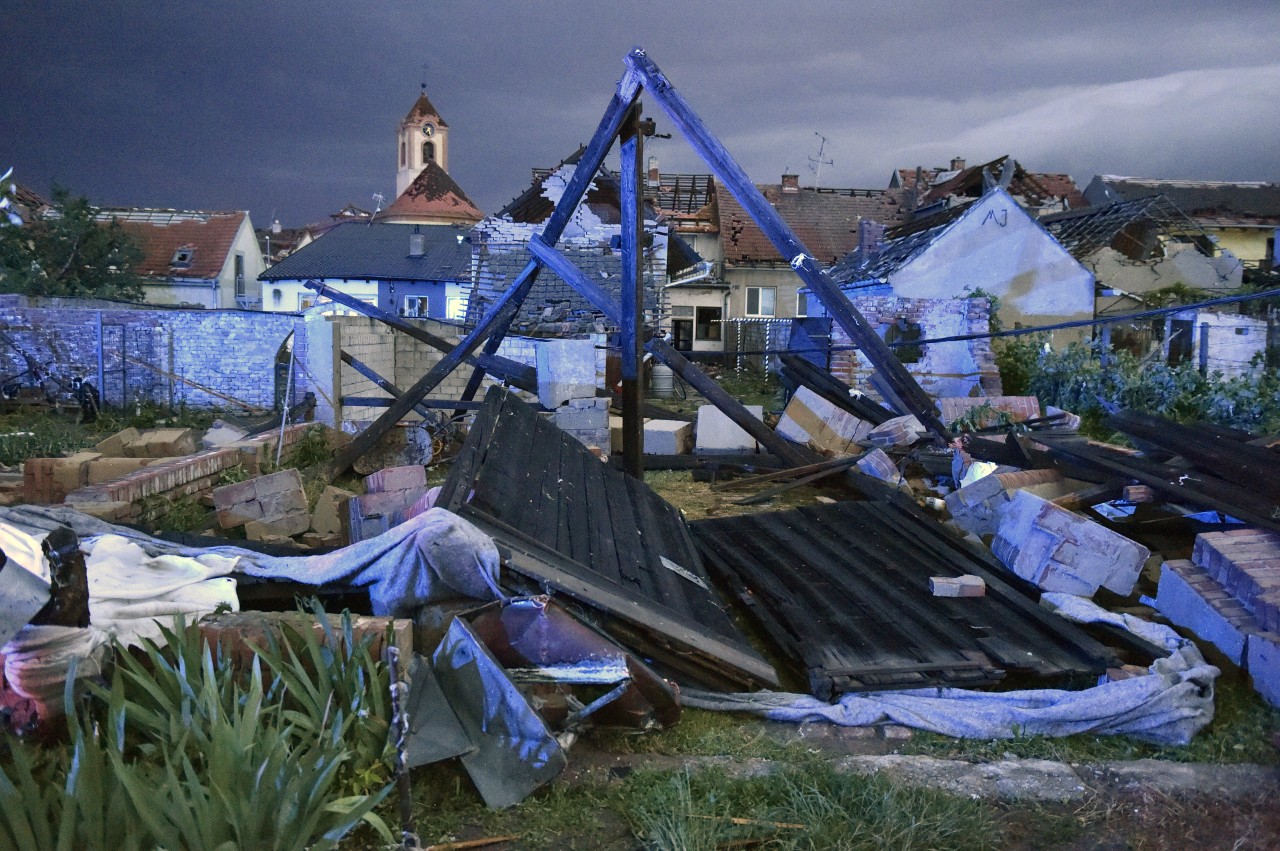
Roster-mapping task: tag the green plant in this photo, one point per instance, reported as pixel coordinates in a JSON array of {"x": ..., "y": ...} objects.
[{"x": 179, "y": 748}]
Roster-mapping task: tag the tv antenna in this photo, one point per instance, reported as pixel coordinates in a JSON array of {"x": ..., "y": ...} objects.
[{"x": 816, "y": 163}]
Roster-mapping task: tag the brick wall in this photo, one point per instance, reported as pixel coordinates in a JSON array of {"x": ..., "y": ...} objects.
[
  {"x": 944, "y": 369},
  {"x": 229, "y": 351}
]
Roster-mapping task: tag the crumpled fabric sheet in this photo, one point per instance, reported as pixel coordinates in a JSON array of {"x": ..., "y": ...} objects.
[
  {"x": 1167, "y": 706},
  {"x": 433, "y": 556},
  {"x": 133, "y": 595},
  {"x": 38, "y": 659}
]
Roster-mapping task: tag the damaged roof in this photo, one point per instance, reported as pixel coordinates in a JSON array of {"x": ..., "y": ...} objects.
[
  {"x": 824, "y": 220},
  {"x": 423, "y": 108},
  {"x": 1211, "y": 203},
  {"x": 1035, "y": 189},
  {"x": 433, "y": 195},
  {"x": 363, "y": 251},
  {"x": 179, "y": 243},
  {"x": 901, "y": 245},
  {"x": 1129, "y": 227}
]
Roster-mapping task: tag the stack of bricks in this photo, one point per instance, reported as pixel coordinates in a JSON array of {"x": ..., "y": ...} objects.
[
  {"x": 121, "y": 500},
  {"x": 1246, "y": 563},
  {"x": 273, "y": 506},
  {"x": 880, "y": 466},
  {"x": 1065, "y": 552},
  {"x": 1229, "y": 595}
]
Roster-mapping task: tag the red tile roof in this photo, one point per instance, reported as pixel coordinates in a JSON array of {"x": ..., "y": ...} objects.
[
  {"x": 825, "y": 220},
  {"x": 433, "y": 196},
  {"x": 161, "y": 233}
]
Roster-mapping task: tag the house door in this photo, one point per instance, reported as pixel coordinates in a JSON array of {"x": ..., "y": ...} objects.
[
  {"x": 1180, "y": 331},
  {"x": 682, "y": 334}
]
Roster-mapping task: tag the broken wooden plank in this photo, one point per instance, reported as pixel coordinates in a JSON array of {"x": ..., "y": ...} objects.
[
  {"x": 769, "y": 493},
  {"x": 790, "y": 473}
]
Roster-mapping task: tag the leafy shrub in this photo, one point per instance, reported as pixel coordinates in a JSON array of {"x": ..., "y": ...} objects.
[{"x": 180, "y": 750}]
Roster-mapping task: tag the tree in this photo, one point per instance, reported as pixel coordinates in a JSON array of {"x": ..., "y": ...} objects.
[{"x": 70, "y": 254}]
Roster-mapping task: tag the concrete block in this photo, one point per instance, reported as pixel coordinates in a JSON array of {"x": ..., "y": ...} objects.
[
  {"x": 330, "y": 508},
  {"x": 222, "y": 434},
  {"x": 112, "y": 512},
  {"x": 1062, "y": 551},
  {"x": 966, "y": 585},
  {"x": 576, "y": 419},
  {"x": 278, "y": 505},
  {"x": 286, "y": 527},
  {"x": 716, "y": 434},
  {"x": 1263, "y": 664},
  {"x": 812, "y": 420},
  {"x": 566, "y": 370},
  {"x": 615, "y": 434},
  {"x": 409, "y": 477},
  {"x": 163, "y": 443},
  {"x": 668, "y": 437},
  {"x": 281, "y": 482},
  {"x": 114, "y": 446},
  {"x": 72, "y": 473}
]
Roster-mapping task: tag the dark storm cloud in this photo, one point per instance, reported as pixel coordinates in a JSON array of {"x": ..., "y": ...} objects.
[{"x": 290, "y": 108}]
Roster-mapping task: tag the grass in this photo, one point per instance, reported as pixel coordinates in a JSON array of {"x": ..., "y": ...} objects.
[
  {"x": 805, "y": 805},
  {"x": 51, "y": 434}
]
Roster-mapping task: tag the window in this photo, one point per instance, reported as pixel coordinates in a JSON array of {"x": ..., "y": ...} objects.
[
  {"x": 455, "y": 307},
  {"x": 415, "y": 305},
  {"x": 905, "y": 332},
  {"x": 428, "y": 152},
  {"x": 685, "y": 310},
  {"x": 707, "y": 324},
  {"x": 239, "y": 266},
  {"x": 762, "y": 301},
  {"x": 183, "y": 257},
  {"x": 802, "y": 304},
  {"x": 402, "y": 162}
]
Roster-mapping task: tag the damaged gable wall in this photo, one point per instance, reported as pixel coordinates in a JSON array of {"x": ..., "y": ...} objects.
[
  {"x": 229, "y": 351},
  {"x": 998, "y": 248}
]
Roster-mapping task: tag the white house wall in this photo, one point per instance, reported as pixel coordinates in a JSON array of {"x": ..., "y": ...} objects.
[
  {"x": 1234, "y": 341},
  {"x": 998, "y": 248}
]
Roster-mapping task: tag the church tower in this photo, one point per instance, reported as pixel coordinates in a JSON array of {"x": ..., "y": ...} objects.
[{"x": 423, "y": 138}]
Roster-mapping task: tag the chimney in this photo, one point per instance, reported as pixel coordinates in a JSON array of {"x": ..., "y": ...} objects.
[
  {"x": 790, "y": 183},
  {"x": 957, "y": 164},
  {"x": 275, "y": 226},
  {"x": 417, "y": 242},
  {"x": 870, "y": 239},
  {"x": 655, "y": 179}
]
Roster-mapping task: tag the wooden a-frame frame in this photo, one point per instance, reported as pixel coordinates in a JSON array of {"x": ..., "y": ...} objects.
[{"x": 620, "y": 122}]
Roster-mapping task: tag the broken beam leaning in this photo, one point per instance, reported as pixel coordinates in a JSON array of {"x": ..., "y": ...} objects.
[{"x": 905, "y": 393}]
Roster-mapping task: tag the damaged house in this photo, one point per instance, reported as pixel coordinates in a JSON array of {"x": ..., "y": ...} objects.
[
  {"x": 194, "y": 258},
  {"x": 991, "y": 245},
  {"x": 1236, "y": 217}
]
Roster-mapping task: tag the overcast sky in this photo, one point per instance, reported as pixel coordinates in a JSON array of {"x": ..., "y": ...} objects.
[{"x": 290, "y": 108}]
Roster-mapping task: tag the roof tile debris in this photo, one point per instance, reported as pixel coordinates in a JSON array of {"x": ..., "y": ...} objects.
[{"x": 207, "y": 236}]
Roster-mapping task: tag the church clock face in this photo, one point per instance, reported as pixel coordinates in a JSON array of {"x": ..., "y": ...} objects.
[{"x": 428, "y": 130}]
